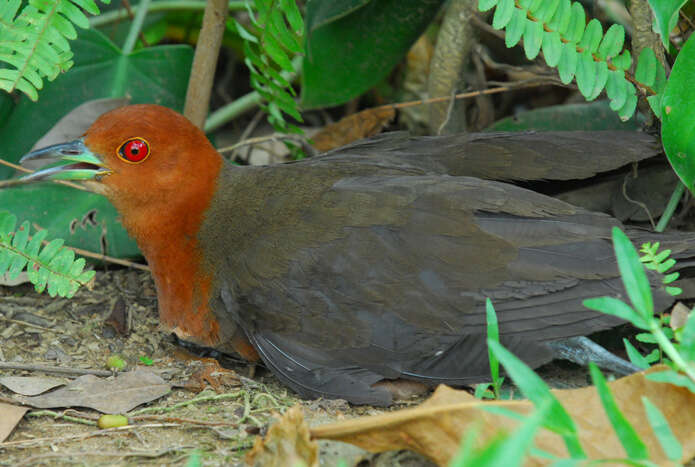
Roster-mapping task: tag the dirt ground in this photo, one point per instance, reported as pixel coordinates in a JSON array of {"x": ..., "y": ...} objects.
[{"x": 36, "y": 329}]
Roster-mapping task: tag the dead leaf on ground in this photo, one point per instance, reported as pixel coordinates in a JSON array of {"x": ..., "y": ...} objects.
[
  {"x": 353, "y": 127},
  {"x": 287, "y": 443},
  {"x": 30, "y": 385},
  {"x": 10, "y": 415},
  {"x": 113, "y": 395},
  {"x": 213, "y": 374},
  {"x": 435, "y": 428}
]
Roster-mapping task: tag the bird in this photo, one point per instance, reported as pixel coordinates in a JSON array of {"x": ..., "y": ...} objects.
[{"x": 370, "y": 263}]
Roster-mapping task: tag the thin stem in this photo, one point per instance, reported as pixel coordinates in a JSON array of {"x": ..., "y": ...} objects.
[
  {"x": 245, "y": 103},
  {"x": 671, "y": 351},
  {"x": 135, "y": 27},
  {"x": 670, "y": 207},
  {"x": 118, "y": 15}
]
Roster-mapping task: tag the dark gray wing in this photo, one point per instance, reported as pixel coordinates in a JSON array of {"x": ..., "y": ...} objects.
[
  {"x": 371, "y": 277},
  {"x": 515, "y": 156}
]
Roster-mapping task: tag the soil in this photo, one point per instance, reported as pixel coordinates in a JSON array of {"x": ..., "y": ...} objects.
[{"x": 37, "y": 329}]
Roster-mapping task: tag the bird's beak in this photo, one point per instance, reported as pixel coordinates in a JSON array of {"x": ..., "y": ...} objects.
[{"x": 76, "y": 161}]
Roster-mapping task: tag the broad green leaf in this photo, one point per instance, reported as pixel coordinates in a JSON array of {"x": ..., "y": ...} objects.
[
  {"x": 666, "y": 16},
  {"x": 503, "y": 14},
  {"x": 633, "y": 275},
  {"x": 567, "y": 66},
  {"x": 592, "y": 36},
  {"x": 552, "y": 48},
  {"x": 662, "y": 430},
  {"x": 612, "y": 42},
  {"x": 515, "y": 28},
  {"x": 615, "y": 307},
  {"x": 533, "y": 36},
  {"x": 686, "y": 346},
  {"x": 645, "y": 73},
  {"x": 493, "y": 333},
  {"x": 672, "y": 377},
  {"x": 633, "y": 445},
  {"x": 635, "y": 357},
  {"x": 678, "y": 128},
  {"x": 586, "y": 73},
  {"x": 538, "y": 392},
  {"x": 352, "y": 45}
]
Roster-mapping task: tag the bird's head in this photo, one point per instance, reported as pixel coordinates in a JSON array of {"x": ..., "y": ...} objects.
[{"x": 139, "y": 156}]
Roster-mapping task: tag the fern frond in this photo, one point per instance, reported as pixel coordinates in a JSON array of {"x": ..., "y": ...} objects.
[
  {"x": 276, "y": 35},
  {"x": 661, "y": 262},
  {"x": 34, "y": 42},
  {"x": 580, "y": 51},
  {"x": 53, "y": 266}
]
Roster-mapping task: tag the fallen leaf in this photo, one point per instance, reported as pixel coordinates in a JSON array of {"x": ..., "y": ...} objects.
[
  {"x": 10, "y": 415},
  {"x": 434, "y": 429},
  {"x": 119, "y": 318},
  {"x": 286, "y": 443},
  {"x": 359, "y": 125},
  {"x": 30, "y": 385},
  {"x": 113, "y": 395},
  {"x": 213, "y": 374}
]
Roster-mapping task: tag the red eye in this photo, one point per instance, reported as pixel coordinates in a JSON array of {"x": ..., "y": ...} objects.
[{"x": 134, "y": 150}]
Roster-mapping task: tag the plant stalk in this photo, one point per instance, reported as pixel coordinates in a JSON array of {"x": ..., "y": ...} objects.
[{"x": 136, "y": 27}]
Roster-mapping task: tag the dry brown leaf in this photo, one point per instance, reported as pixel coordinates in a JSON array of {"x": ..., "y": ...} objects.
[
  {"x": 10, "y": 415},
  {"x": 114, "y": 395},
  {"x": 679, "y": 315},
  {"x": 435, "y": 428},
  {"x": 287, "y": 443},
  {"x": 30, "y": 385},
  {"x": 353, "y": 127}
]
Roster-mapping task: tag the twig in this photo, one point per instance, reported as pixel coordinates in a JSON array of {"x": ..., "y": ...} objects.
[
  {"x": 135, "y": 27},
  {"x": 61, "y": 416},
  {"x": 53, "y": 369},
  {"x": 110, "y": 259},
  {"x": 195, "y": 400},
  {"x": 264, "y": 139},
  {"x": 207, "y": 51}
]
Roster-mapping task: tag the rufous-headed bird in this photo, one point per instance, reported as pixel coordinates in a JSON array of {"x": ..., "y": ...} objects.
[{"x": 372, "y": 262}]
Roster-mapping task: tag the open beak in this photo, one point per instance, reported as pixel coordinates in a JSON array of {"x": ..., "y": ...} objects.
[{"x": 76, "y": 161}]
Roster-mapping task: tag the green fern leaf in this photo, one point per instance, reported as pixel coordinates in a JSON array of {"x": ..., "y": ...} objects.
[
  {"x": 616, "y": 88},
  {"x": 567, "y": 66},
  {"x": 515, "y": 28},
  {"x": 533, "y": 37},
  {"x": 586, "y": 73},
  {"x": 503, "y": 14},
  {"x": 552, "y": 48},
  {"x": 628, "y": 110},
  {"x": 612, "y": 42},
  {"x": 645, "y": 73},
  {"x": 577, "y": 23},
  {"x": 592, "y": 36},
  {"x": 600, "y": 81},
  {"x": 561, "y": 19}
]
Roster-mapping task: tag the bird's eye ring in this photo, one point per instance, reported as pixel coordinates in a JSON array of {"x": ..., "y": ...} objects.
[{"x": 134, "y": 150}]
